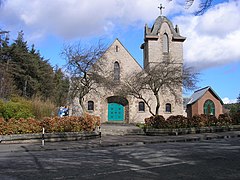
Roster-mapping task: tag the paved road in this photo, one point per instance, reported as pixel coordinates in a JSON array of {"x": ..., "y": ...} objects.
[{"x": 210, "y": 159}]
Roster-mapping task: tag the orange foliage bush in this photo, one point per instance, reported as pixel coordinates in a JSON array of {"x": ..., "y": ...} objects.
[
  {"x": 56, "y": 124},
  {"x": 71, "y": 124}
]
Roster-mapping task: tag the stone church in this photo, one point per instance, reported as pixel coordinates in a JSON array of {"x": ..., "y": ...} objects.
[{"x": 161, "y": 42}]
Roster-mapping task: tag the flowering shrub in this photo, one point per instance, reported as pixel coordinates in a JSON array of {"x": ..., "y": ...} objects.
[
  {"x": 156, "y": 121},
  {"x": 55, "y": 124}
]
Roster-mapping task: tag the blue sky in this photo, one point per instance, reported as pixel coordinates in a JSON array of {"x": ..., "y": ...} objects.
[{"x": 212, "y": 44}]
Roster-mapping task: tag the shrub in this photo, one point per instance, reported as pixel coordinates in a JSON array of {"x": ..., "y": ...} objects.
[
  {"x": 178, "y": 121},
  {"x": 42, "y": 109},
  {"x": 16, "y": 110},
  {"x": 2, "y": 126},
  {"x": 19, "y": 107},
  {"x": 235, "y": 117},
  {"x": 56, "y": 124},
  {"x": 71, "y": 124},
  {"x": 202, "y": 120},
  {"x": 19, "y": 126},
  {"x": 157, "y": 121},
  {"x": 1, "y": 108},
  {"x": 211, "y": 120},
  {"x": 195, "y": 121},
  {"x": 224, "y": 120}
]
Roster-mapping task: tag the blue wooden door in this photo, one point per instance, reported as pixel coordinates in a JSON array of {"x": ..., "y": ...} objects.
[{"x": 115, "y": 112}]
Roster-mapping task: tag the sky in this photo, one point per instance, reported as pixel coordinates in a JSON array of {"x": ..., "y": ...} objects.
[{"x": 212, "y": 46}]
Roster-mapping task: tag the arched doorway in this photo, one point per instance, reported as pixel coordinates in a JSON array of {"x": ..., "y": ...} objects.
[{"x": 118, "y": 109}]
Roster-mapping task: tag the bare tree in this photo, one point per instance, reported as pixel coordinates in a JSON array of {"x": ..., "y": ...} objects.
[
  {"x": 203, "y": 5},
  {"x": 84, "y": 69},
  {"x": 190, "y": 78},
  {"x": 163, "y": 77}
]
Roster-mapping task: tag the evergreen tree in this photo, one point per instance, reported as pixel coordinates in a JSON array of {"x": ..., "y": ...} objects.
[
  {"x": 238, "y": 99},
  {"x": 61, "y": 87},
  {"x": 6, "y": 79},
  {"x": 25, "y": 72}
]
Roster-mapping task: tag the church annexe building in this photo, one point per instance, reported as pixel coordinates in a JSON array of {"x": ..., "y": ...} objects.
[{"x": 162, "y": 42}]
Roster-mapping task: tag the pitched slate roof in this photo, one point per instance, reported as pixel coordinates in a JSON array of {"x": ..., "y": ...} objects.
[{"x": 199, "y": 94}]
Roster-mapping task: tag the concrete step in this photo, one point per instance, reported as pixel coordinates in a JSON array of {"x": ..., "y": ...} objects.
[{"x": 120, "y": 129}]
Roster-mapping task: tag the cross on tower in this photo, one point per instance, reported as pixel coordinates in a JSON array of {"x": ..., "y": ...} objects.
[{"x": 161, "y": 8}]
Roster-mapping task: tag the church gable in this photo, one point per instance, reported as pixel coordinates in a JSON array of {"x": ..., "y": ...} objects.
[{"x": 119, "y": 62}]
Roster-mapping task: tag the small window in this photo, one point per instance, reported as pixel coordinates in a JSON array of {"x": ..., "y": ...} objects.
[
  {"x": 165, "y": 43},
  {"x": 117, "y": 48},
  {"x": 141, "y": 106},
  {"x": 116, "y": 71},
  {"x": 168, "y": 108},
  {"x": 90, "y": 106}
]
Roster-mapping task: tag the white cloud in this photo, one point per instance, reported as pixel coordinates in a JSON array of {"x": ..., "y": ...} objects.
[
  {"x": 226, "y": 100},
  {"x": 81, "y": 18},
  {"x": 212, "y": 39}
]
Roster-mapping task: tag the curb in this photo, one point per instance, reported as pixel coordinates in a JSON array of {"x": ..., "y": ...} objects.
[
  {"x": 167, "y": 139},
  {"x": 48, "y": 137}
]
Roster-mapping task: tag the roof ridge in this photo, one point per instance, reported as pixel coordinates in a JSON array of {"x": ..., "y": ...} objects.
[{"x": 207, "y": 87}]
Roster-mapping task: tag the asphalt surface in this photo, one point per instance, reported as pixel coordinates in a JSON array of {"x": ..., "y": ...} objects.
[
  {"x": 215, "y": 158},
  {"x": 199, "y": 156},
  {"x": 111, "y": 141}
]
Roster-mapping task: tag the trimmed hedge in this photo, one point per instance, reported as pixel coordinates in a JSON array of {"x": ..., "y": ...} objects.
[
  {"x": 180, "y": 121},
  {"x": 56, "y": 124}
]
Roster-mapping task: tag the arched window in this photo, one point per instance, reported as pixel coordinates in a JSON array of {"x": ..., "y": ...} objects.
[
  {"x": 116, "y": 71},
  {"x": 168, "y": 108},
  {"x": 165, "y": 43},
  {"x": 141, "y": 106},
  {"x": 90, "y": 105},
  {"x": 209, "y": 107}
]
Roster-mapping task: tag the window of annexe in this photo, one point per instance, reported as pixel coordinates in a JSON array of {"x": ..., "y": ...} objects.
[
  {"x": 209, "y": 107},
  {"x": 168, "y": 108},
  {"x": 165, "y": 43},
  {"x": 116, "y": 71},
  {"x": 90, "y": 106},
  {"x": 141, "y": 106}
]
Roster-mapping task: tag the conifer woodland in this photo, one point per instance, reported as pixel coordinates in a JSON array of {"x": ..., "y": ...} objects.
[{"x": 29, "y": 85}]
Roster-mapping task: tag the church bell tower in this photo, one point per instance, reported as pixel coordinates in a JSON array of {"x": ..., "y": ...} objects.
[{"x": 162, "y": 42}]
